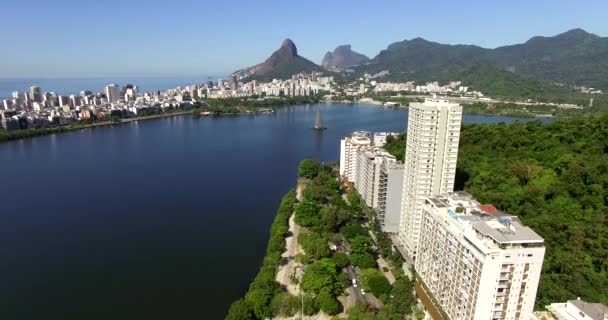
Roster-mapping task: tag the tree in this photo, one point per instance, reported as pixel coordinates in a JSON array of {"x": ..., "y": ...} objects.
[
  {"x": 314, "y": 245},
  {"x": 259, "y": 297},
  {"x": 239, "y": 310},
  {"x": 403, "y": 298},
  {"x": 322, "y": 276},
  {"x": 328, "y": 303},
  {"x": 309, "y": 168},
  {"x": 307, "y": 214},
  {"x": 360, "y": 312},
  {"x": 363, "y": 260},
  {"x": 341, "y": 259},
  {"x": 285, "y": 305},
  {"x": 374, "y": 281},
  {"x": 379, "y": 285},
  {"x": 332, "y": 218},
  {"x": 353, "y": 230}
]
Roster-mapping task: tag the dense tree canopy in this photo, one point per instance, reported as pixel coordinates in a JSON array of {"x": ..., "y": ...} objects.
[
  {"x": 322, "y": 276},
  {"x": 309, "y": 168},
  {"x": 308, "y": 214}
]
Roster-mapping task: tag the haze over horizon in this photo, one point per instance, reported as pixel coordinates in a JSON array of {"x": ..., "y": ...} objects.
[{"x": 211, "y": 38}]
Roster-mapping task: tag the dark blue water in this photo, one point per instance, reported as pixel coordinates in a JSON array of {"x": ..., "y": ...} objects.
[
  {"x": 69, "y": 86},
  {"x": 159, "y": 219}
]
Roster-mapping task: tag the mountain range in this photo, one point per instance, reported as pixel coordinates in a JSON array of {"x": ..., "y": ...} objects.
[
  {"x": 343, "y": 57},
  {"x": 575, "y": 57},
  {"x": 280, "y": 65}
]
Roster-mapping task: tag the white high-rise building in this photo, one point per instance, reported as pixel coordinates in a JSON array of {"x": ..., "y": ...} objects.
[
  {"x": 430, "y": 161},
  {"x": 368, "y": 173},
  {"x": 478, "y": 263},
  {"x": 112, "y": 92},
  {"x": 348, "y": 153}
]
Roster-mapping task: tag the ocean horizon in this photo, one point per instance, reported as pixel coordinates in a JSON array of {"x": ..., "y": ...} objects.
[{"x": 68, "y": 86}]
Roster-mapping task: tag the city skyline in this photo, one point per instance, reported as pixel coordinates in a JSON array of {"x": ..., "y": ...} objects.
[{"x": 218, "y": 38}]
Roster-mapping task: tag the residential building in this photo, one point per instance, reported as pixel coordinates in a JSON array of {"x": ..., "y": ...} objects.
[
  {"x": 389, "y": 203},
  {"x": 477, "y": 262},
  {"x": 430, "y": 161},
  {"x": 35, "y": 94},
  {"x": 380, "y": 138},
  {"x": 112, "y": 92},
  {"x": 348, "y": 153},
  {"x": 367, "y": 173},
  {"x": 572, "y": 310}
]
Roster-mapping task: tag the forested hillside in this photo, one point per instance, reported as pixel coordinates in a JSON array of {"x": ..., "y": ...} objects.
[{"x": 555, "y": 177}]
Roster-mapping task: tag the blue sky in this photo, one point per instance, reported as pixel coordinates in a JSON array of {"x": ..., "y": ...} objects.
[{"x": 85, "y": 38}]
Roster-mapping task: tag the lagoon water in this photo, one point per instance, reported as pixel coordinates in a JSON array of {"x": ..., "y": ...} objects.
[{"x": 157, "y": 219}]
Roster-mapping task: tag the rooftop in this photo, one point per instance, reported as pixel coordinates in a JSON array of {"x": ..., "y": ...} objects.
[
  {"x": 595, "y": 311},
  {"x": 486, "y": 220}
]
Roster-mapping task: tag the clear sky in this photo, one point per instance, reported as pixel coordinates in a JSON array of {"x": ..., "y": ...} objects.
[{"x": 88, "y": 38}]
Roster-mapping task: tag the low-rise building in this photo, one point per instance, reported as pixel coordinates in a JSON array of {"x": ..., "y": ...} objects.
[
  {"x": 572, "y": 310},
  {"x": 380, "y": 138}
]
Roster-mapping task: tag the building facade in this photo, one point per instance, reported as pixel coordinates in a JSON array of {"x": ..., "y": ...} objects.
[
  {"x": 389, "y": 199},
  {"x": 478, "y": 264},
  {"x": 112, "y": 92},
  {"x": 348, "y": 153},
  {"x": 368, "y": 174},
  {"x": 430, "y": 161},
  {"x": 380, "y": 138}
]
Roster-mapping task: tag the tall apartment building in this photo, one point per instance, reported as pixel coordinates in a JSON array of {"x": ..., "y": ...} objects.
[
  {"x": 348, "y": 153},
  {"x": 477, "y": 262},
  {"x": 389, "y": 198},
  {"x": 112, "y": 92},
  {"x": 368, "y": 172},
  {"x": 379, "y": 182},
  {"x": 430, "y": 161}
]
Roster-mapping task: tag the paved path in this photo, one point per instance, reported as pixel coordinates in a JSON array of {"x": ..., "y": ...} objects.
[{"x": 287, "y": 271}]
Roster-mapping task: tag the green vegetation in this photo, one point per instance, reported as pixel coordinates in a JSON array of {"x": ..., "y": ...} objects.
[
  {"x": 328, "y": 303},
  {"x": 309, "y": 168},
  {"x": 326, "y": 220},
  {"x": 258, "y": 102},
  {"x": 285, "y": 305},
  {"x": 555, "y": 178},
  {"x": 308, "y": 214},
  {"x": 374, "y": 281},
  {"x": 239, "y": 310},
  {"x": 314, "y": 245},
  {"x": 322, "y": 276}
]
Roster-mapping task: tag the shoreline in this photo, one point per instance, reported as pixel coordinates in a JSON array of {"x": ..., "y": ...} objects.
[{"x": 32, "y": 133}]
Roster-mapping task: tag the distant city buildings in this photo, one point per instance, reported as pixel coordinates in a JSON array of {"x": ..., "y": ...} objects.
[
  {"x": 430, "y": 161},
  {"x": 477, "y": 262},
  {"x": 112, "y": 92},
  {"x": 36, "y": 108}
]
